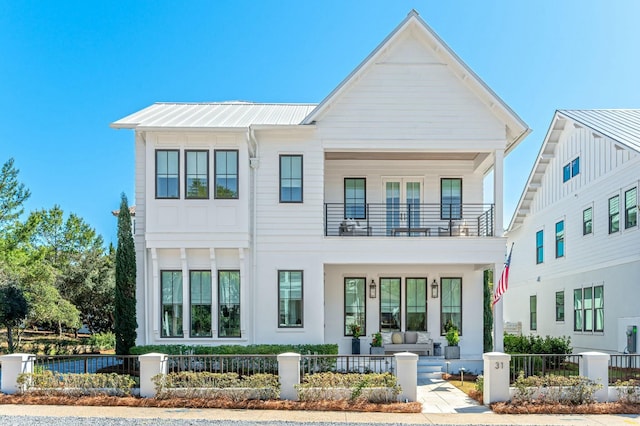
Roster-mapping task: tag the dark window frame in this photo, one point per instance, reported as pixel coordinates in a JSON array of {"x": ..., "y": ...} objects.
[
  {"x": 631, "y": 211},
  {"x": 540, "y": 247},
  {"x": 215, "y": 174},
  {"x": 443, "y": 321},
  {"x": 581, "y": 310},
  {"x": 355, "y": 204},
  {"x": 186, "y": 174},
  {"x": 399, "y": 280},
  {"x": 587, "y": 224},
  {"x": 560, "y": 235},
  {"x": 426, "y": 302},
  {"x": 281, "y": 186},
  {"x": 560, "y": 308},
  {"x": 450, "y": 214},
  {"x": 345, "y": 328},
  {"x": 533, "y": 312},
  {"x": 294, "y": 326},
  {"x": 220, "y": 309},
  {"x": 160, "y": 197},
  {"x": 614, "y": 218},
  {"x": 162, "y": 304},
  {"x": 191, "y": 304}
]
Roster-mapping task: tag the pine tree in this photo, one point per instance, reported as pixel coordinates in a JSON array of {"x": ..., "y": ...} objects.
[{"x": 125, "y": 297}]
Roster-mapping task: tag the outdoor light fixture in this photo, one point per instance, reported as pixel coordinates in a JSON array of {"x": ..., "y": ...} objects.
[
  {"x": 434, "y": 289},
  {"x": 372, "y": 289}
]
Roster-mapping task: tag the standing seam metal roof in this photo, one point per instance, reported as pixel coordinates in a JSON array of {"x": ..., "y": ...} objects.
[{"x": 621, "y": 125}]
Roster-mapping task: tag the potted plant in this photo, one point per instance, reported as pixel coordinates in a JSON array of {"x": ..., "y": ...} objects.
[
  {"x": 452, "y": 350},
  {"x": 376, "y": 344},
  {"x": 355, "y": 330}
]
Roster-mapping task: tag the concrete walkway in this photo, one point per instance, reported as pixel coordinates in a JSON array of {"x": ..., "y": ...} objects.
[{"x": 440, "y": 396}]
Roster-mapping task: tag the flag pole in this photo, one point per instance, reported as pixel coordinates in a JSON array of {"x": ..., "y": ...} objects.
[{"x": 498, "y": 313}]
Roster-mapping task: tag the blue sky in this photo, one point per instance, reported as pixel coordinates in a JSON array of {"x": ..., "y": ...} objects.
[{"x": 69, "y": 68}]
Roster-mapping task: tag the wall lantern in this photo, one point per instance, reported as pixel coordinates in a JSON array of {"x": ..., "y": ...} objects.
[
  {"x": 434, "y": 289},
  {"x": 372, "y": 289}
]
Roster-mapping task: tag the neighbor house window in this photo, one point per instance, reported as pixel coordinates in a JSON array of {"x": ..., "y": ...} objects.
[
  {"x": 416, "y": 302},
  {"x": 290, "y": 299},
  {"x": 630, "y": 208},
  {"x": 566, "y": 172},
  {"x": 450, "y": 303},
  {"x": 559, "y": 305},
  {"x": 539, "y": 247},
  {"x": 587, "y": 221},
  {"x": 228, "y": 303},
  {"x": 560, "y": 239},
  {"x": 588, "y": 309},
  {"x": 533, "y": 312},
  {"x": 226, "y": 173},
  {"x": 354, "y": 305},
  {"x": 571, "y": 169},
  {"x": 355, "y": 198},
  {"x": 197, "y": 174},
  {"x": 291, "y": 178},
  {"x": 390, "y": 304},
  {"x": 450, "y": 198},
  {"x": 171, "y": 283},
  {"x": 614, "y": 214},
  {"x": 167, "y": 173},
  {"x": 200, "y": 286}
]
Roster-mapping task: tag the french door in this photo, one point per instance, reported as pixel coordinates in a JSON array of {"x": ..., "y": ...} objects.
[{"x": 403, "y": 197}]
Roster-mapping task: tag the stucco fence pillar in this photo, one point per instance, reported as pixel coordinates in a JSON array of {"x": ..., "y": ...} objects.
[
  {"x": 407, "y": 375},
  {"x": 289, "y": 375},
  {"x": 150, "y": 365},
  {"x": 595, "y": 366},
  {"x": 12, "y": 366},
  {"x": 496, "y": 377}
]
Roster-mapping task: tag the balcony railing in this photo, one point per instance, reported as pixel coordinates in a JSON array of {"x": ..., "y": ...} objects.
[{"x": 408, "y": 220}]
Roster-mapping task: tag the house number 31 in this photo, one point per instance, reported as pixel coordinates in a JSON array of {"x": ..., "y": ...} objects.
[{"x": 499, "y": 365}]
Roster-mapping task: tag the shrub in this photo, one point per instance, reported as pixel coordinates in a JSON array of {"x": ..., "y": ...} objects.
[
  {"x": 480, "y": 384},
  {"x": 102, "y": 341},
  {"x": 572, "y": 390},
  {"x": 47, "y": 382},
  {"x": 537, "y": 345},
  {"x": 628, "y": 391},
  {"x": 204, "y": 384},
  {"x": 373, "y": 387}
]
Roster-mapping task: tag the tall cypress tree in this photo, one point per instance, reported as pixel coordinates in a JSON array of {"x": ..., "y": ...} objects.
[
  {"x": 487, "y": 313},
  {"x": 125, "y": 298}
]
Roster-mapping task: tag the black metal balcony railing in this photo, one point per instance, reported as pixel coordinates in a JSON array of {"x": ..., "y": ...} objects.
[{"x": 408, "y": 220}]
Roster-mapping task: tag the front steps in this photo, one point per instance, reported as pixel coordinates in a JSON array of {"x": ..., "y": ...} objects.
[{"x": 429, "y": 368}]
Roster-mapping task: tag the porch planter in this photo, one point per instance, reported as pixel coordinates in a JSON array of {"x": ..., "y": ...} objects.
[
  {"x": 452, "y": 352},
  {"x": 355, "y": 346},
  {"x": 376, "y": 350}
]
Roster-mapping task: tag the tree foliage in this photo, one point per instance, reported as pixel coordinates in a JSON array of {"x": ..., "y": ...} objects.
[
  {"x": 13, "y": 194},
  {"x": 487, "y": 313},
  {"x": 125, "y": 294},
  {"x": 13, "y": 310}
]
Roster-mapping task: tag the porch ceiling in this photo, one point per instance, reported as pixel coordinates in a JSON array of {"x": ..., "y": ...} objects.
[{"x": 401, "y": 155}]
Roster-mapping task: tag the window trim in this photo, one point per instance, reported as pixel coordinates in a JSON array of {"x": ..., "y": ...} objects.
[
  {"x": 584, "y": 222},
  {"x": 191, "y": 304},
  {"x": 301, "y": 179},
  {"x": 560, "y": 239},
  {"x": 611, "y": 216},
  {"x": 629, "y": 209},
  {"x": 399, "y": 279},
  {"x": 442, "y": 332},
  {"x": 215, "y": 174},
  {"x": 186, "y": 174},
  {"x": 363, "y": 332},
  {"x": 364, "y": 203},
  {"x": 294, "y": 326},
  {"x": 451, "y": 216},
  {"x": 591, "y": 328},
  {"x": 158, "y": 197},
  {"x": 540, "y": 247},
  {"x": 406, "y": 302},
  {"x": 533, "y": 314},
  {"x": 176, "y": 336},
  {"x": 558, "y": 318},
  {"x": 218, "y": 300}
]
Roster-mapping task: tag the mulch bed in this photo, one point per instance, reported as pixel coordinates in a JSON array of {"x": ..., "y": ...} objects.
[
  {"x": 549, "y": 408},
  {"x": 131, "y": 401}
]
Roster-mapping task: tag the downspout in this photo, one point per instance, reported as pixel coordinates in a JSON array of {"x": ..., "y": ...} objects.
[{"x": 253, "y": 164}]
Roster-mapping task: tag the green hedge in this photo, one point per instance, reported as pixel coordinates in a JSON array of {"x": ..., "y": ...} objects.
[
  {"x": 304, "y": 349},
  {"x": 537, "y": 345}
]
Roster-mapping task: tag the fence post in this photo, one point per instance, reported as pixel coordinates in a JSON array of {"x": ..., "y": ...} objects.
[
  {"x": 151, "y": 365},
  {"x": 289, "y": 374},
  {"x": 595, "y": 366},
  {"x": 496, "y": 377},
  {"x": 407, "y": 375},
  {"x": 12, "y": 366}
]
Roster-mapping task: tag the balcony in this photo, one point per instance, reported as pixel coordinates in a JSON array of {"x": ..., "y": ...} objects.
[{"x": 408, "y": 220}]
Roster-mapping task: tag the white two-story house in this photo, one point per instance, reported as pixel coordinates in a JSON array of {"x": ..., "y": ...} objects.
[
  {"x": 286, "y": 223},
  {"x": 576, "y": 256}
]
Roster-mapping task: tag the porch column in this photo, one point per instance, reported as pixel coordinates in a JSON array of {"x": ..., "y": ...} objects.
[
  {"x": 186, "y": 312},
  {"x": 498, "y": 192}
]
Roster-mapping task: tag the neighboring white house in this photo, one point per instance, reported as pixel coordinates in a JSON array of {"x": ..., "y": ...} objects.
[
  {"x": 576, "y": 257},
  {"x": 286, "y": 223}
]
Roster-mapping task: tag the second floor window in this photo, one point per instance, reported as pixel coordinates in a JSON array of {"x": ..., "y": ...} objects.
[
  {"x": 197, "y": 174},
  {"x": 560, "y": 239},
  {"x": 587, "y": 221},
  {"x": 614, "y": 214},
  {"x": 539, "y": 247},
  {"x": 631, "y": 208},
  {"x": 571, "y": 169},
  {"x": 291, "y": 178},
  {"x": 226, "y": 174},
  {"x": 355, "y": 198},
  {"x": 167, "y": 173},
  {"x": 451, "y": 198}
]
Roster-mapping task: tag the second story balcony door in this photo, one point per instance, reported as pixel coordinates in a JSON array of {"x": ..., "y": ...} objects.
[{"x": 403, "y": 197}]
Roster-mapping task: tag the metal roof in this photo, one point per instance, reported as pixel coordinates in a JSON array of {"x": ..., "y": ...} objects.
[
  {"x": 214, "y": 115},
  {"x": 621, "y": 125}
]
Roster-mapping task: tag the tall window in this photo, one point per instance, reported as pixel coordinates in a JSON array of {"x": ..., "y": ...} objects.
[
  {"x": 451, "y": 198},
  {"x": 559, "y": 305},
  {"x": 416, "y": 304},
  {"x": 533, "y": 312},
  {"x": 229, "y": 303},
  {"x": 226, "y": 173},
  {"x": 390, "y": 304},
  {"x": 451, "y": 303},
  {"x": 630, "y": 208},
  {"x": 291, "y": 178},
  {"x": 355, "y": 198},
  {"x": 167, "y": 174},
  {"x": 539, "y": 247},
  {"x": 560, "y": 239},
  {"x": 290, "y": 299},
  {"x": 200, "y": 283},
  {"x": 614, "y": 214},
  {"x": 587, "y": 221},
  {"x": 171, "y": 283},
  {"x": 354, "y": 305},
  {"x": 588, "y": 309},
  {"x": 197, "y": 174}
]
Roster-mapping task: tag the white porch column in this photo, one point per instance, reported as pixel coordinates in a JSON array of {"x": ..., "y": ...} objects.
[
  {"x": 154, "y": 299},
  {"x": 595, "y": 366},
  {"x": 289, "y": 374},
  {"x": 151, "y": 365},
  {"x": 496, "y": 377},
  {"x": 498, "y": 192},
  {"x": 214, "y": 291},
  {"x": 407, "y": 374},
  {"x": 186, "y": 297},
  {"x": 498, "y": 314},
  {"x": 244, "y": 304},
  {"x": 12, "y": 366}
]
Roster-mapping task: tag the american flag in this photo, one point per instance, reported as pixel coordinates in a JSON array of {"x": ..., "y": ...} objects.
[{"x": 503, "y": 284}]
